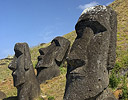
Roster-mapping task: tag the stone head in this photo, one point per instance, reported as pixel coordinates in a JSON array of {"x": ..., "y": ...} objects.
[
  {"x": 91, "y": 53},
  {"x": 21, "y": 63},
  {"x": 101, "y": 20},
  {"x": 54, "y": 53},
  {"x": 93, "y": 23}
]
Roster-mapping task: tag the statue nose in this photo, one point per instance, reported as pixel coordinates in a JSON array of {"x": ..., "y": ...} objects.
[
  {"x": 14, "y": 73},
  {"x": 11, "y": 66},
  {"x": 39, "y": 58}
]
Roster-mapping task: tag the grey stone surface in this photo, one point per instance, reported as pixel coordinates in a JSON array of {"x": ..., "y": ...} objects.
[
  {"x": 106, "y": 95},
  {"x": 51, "y": 58},
  {"x": 23, "y": 73},
  {"x": 92, "y": 54},
  {"x": 2, "y": 95}
]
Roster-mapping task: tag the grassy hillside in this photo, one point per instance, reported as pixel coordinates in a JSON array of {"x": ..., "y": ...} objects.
[
  {"x": 121, "y": 7},
  {"x": 55, "y": 88}
]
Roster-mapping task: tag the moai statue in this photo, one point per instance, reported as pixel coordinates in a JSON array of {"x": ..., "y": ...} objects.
[
  {"x": 51, "y": 58},
  {"x": 92, "y": 55},
  {"x": 23, "y": 73}
]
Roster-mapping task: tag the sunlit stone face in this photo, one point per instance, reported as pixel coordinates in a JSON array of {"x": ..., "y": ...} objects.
[
  {"x": 17, "y": 65},
  {"x": 23, "y": 73},
  {"x": 91, "y": 54},
  {"x": 51, "y": 58},
  {"x": 87, "y": 71}
]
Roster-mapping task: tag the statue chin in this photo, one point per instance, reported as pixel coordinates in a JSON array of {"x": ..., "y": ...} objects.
[{"x": 18, "y": 83}]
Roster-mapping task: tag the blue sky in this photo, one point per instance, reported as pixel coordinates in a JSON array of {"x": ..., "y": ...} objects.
[{"x": 38, "y": 21}]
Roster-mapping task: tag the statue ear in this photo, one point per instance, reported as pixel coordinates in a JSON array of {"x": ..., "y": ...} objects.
[
  {"x": 60, "y": 55},
  {"x": 27, "y": 57},
  {"x": 63, "y": 51}
]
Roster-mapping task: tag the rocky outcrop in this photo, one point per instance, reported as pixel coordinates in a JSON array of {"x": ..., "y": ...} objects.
[
  {"x": 92, "y": 55},
  {"x": 23, "y": 73},
  {"x": 51, "y": 58}
]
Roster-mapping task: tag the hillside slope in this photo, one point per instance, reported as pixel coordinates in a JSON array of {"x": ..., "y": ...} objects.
[{"x": 121, "y": 7}]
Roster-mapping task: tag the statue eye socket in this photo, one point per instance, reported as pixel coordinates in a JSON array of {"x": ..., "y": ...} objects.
[
  {"x": 41, "y": 52},
  {"x": 18, "y": 53},
  {"x": 94, "y": 25},
  {"x": 56, "y": 42}
]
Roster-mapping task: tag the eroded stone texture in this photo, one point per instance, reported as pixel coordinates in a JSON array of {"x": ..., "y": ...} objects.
[
  {"x": 51, "y": 58},
  {"x": 92, "y": 54},
  {"x": 23, "y": 73},
  {"x": 106, "y": 95},
  {"x": 2, "y": 95}
]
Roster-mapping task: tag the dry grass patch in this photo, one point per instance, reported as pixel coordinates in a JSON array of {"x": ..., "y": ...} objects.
[{"x": 54, "y": 87}]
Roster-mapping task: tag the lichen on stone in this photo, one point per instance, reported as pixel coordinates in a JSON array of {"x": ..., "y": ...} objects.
[{"x": 94, "y": 9}]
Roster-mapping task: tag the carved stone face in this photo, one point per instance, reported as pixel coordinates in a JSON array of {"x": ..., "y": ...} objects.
[
  {"x": 53, "y": 54},
  {"x": 20, "y": 62},
  {"x": 87, "y": 74},
  {"x": 51, "y": 58}
]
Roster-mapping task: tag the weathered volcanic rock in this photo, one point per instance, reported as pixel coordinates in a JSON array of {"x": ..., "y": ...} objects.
[
  {"x": 2, "y": 95},
  {"x": 106, "y": 95},
  {"x": 23, "y": 73},
  {"x": 92, "y": 54},
  {"x": 51, "y": 58}
]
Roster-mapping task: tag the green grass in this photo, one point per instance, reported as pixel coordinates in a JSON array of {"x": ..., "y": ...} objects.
[
  {"x": 70, "y": 36},
  {"x": 4, "y": 71},
  {"x": 124, "y": 89}
]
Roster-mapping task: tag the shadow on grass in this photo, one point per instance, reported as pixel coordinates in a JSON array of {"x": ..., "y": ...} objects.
[{"x": 11, "y": 98}]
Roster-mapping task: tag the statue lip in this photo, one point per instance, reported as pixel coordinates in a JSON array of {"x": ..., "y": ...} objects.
[
  {"x": 42, "y": 64},
  {"x": 76, "y": 62},
  {"x": 76, "y": 76},
  {"x": 39, "y": 67},
  {"x": 20, "y": 85},
  {"x": 15, "y": 84}
]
